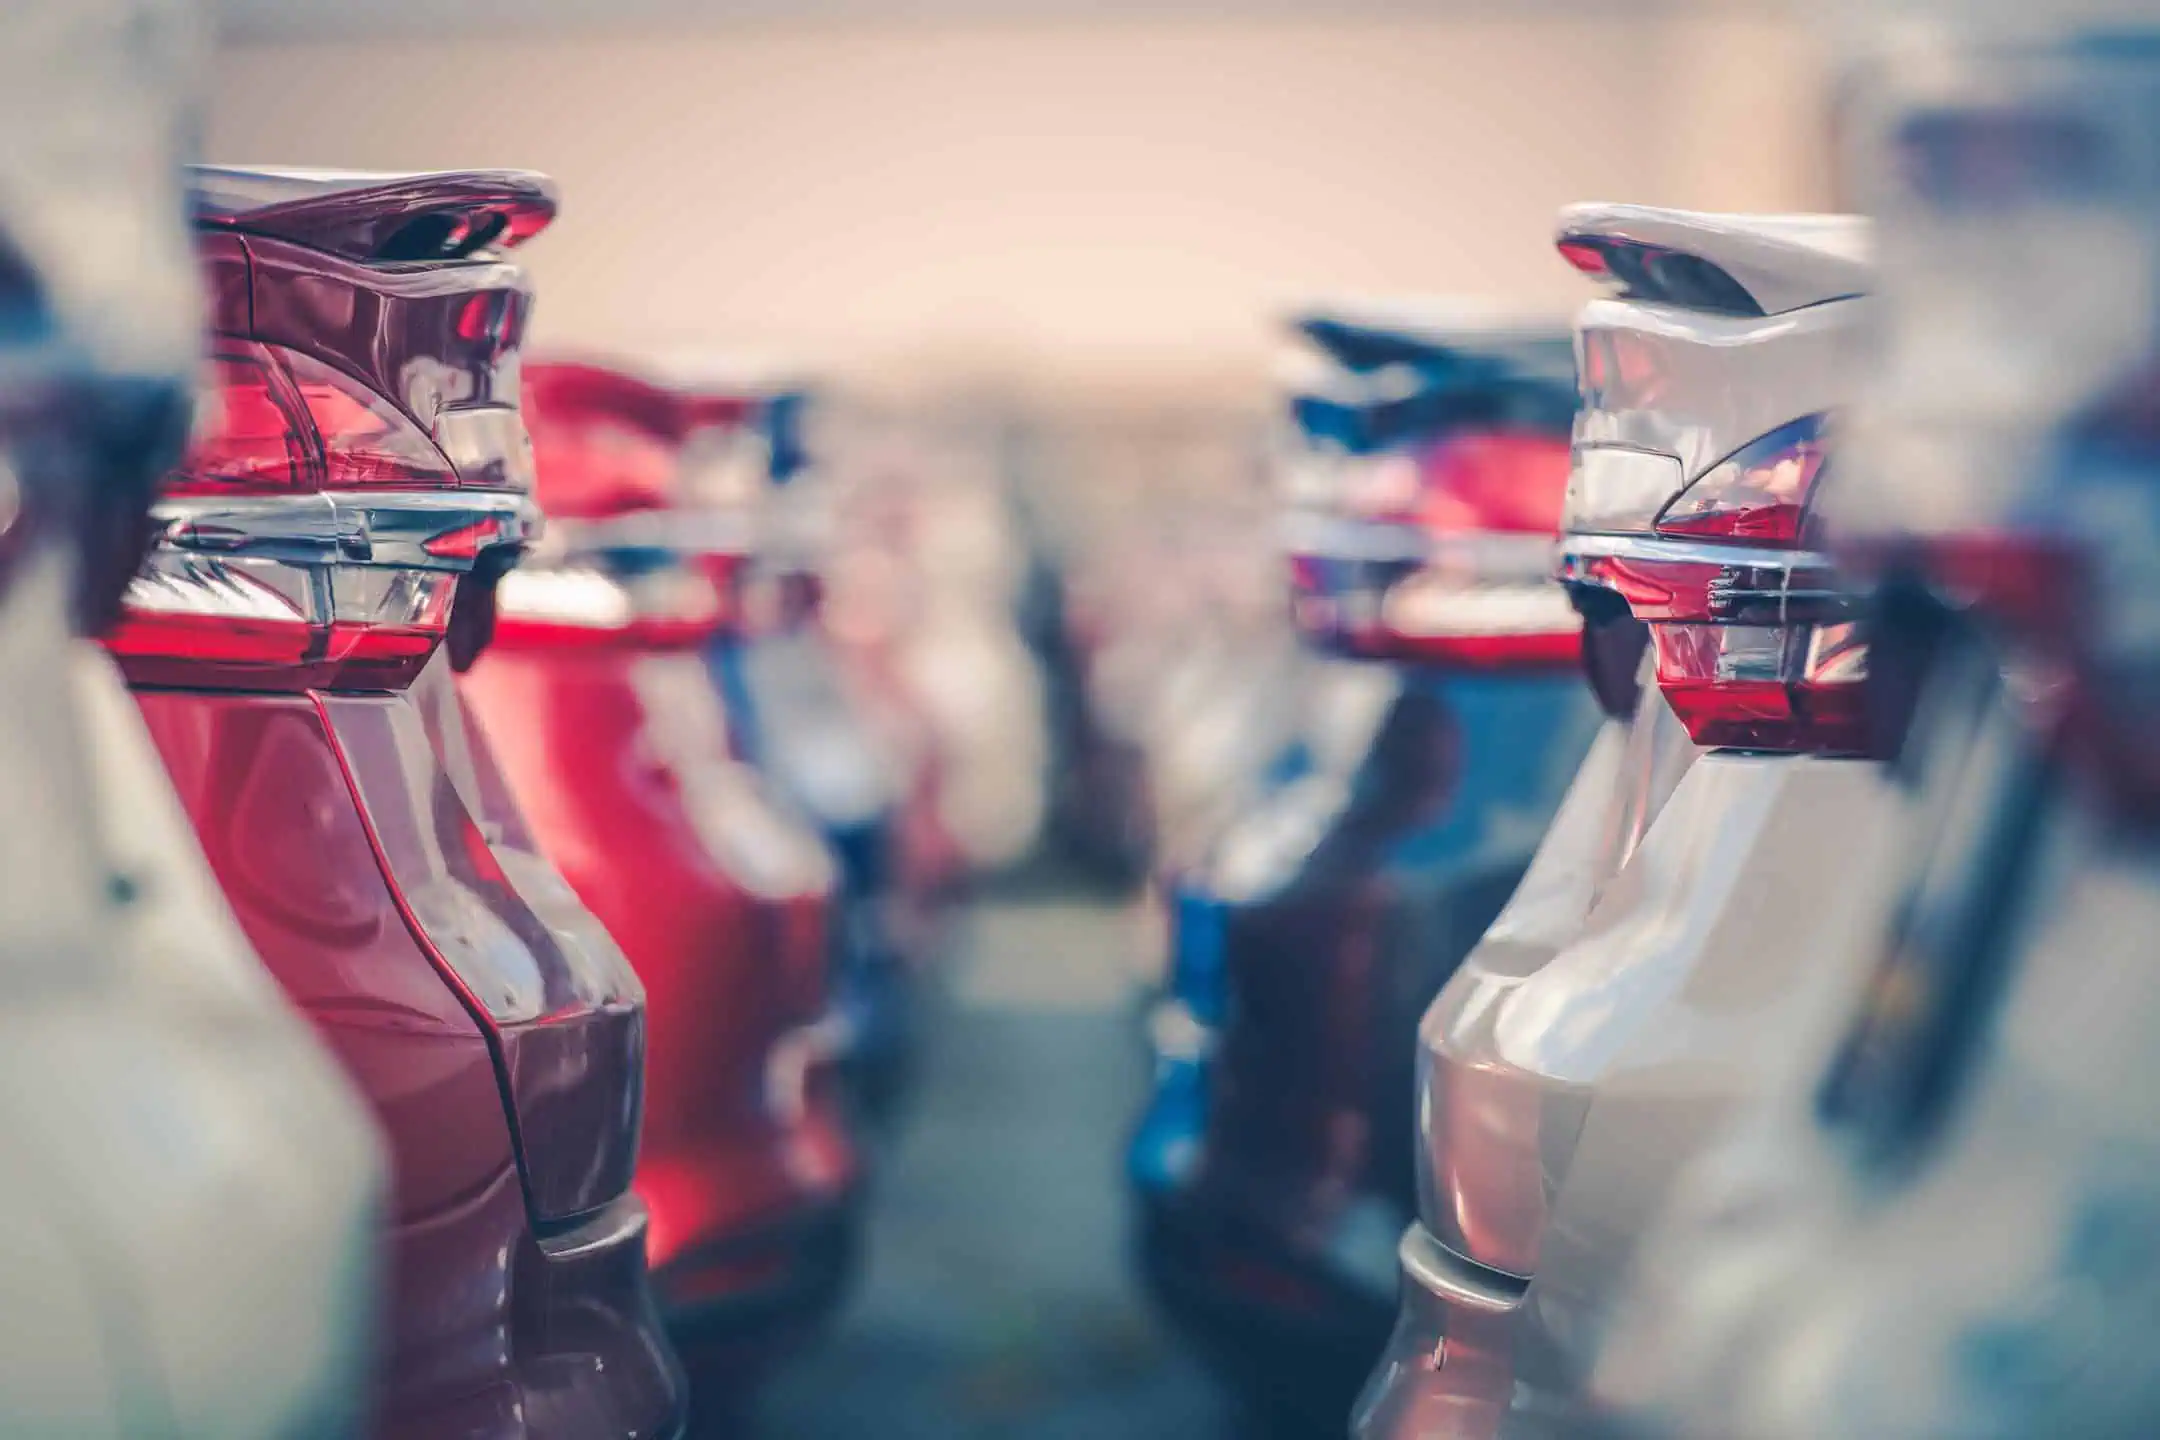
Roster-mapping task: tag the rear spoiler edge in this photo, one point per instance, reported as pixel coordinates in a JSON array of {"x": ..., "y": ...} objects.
[
  {"x": 1738, "y": 264},
  {"x": 378, "y": 217}
]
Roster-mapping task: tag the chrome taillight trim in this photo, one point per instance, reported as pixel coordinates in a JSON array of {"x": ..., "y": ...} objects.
[
  {"x": 392, "y": 529},
  {"x": 388, "y": 558},
  {"x": 1659, "y": 548},
  {"x": 1475, "y": 554},
  {"x": 1754, "y": 584}
]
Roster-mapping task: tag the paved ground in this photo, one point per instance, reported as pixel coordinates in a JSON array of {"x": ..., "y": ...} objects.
[{"x": 997, "y": 1303}]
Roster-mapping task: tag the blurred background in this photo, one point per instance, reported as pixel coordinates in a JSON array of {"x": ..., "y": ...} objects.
[
  {"x": 1063, "y": 203},
  {"x": 1048, "y": 244}
]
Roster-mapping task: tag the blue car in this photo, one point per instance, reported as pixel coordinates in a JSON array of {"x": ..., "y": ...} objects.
[{"x": 1443, "y": 713}]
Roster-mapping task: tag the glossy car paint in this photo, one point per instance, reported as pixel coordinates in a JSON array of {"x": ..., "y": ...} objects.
[
  {"x": 1305, "y": 946},
  {"x": 721, "y": 903},
  {"x": 173, "y": 1132},
  {"x": 478, "y": 1340},
  {"x": 1564, "y": 1081},
  {"x": 626, "y": 764},
  {"x": 498, "y": 1038},
  {"x": 1937, "y": 1225},
  {"x": 1338, "y": 909}
]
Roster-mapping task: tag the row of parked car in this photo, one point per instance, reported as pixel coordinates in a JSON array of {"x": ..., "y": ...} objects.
[
  {"x": 1693, "y": 977},
  {"x": 463, "y": 901}
]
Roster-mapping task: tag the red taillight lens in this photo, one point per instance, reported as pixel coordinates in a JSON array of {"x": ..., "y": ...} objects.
[
  {"x": 1758, "y": 687},
  {"x": 251, "y": 431},
  {"x": 312, "y": 537},
  {"x": 1440, "y": 557},
  {"x": 585, "y": 607},
  {"x": 1758, "y": 494},
  {"x": 216, "y": 623},
  {"x": 651, "y": 494},
  {"x": 1753, "y": 642},
  {"x": 603, "y": 468},
  {"x": 275, "y": 419},
  {"x": 592, "y": 596},
  {"x": 366, "y": 440},
  {"x": 295, "y": 622}
]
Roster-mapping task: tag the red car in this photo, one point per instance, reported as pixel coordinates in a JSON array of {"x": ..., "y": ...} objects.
[
  {"x": 597, "y": 697},
  {"x": 329, "y": 543}
]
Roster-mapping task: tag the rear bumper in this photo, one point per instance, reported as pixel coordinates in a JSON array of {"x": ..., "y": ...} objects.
[
  {"x": 587, "y": 1352},
  {"x": 1448, "y": 1370},
  {"x": 739, "y": 1305},
  {"x": 595, "y": 1359}
]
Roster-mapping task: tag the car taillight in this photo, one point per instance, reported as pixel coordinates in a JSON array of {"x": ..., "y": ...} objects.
[
  {"x": 653, "y": 579},
  {"x": 313, "y": 536},
  {"x": 1439, "y": 558},
  {"x": 276, "y": 419},
  {"x": 1484, "y": 602},
  {"x": 1754, "y": 640},
  {"x": 1759, "y": 493}
]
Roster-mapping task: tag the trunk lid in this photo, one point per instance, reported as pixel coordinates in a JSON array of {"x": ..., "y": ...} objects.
[{"x": 340, "y": 525}]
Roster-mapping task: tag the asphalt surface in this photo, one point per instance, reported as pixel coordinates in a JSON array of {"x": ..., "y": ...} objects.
[{"x": 997, "y": 1302}]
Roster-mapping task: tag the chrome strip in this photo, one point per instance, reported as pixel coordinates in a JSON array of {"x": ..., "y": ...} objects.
[
  {"x": 1789, "y": 586},
  {"x": 1452, "y": 1280},
  {"x": 379, "y": 527},
  {"x": 1656, "y": 549},
  {"x": 1339, "y": 537}
]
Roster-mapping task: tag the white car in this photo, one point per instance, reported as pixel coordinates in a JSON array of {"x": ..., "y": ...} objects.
[
  {"x": 1662, "y": 948},
  {"x": 189, "y": 1225},
  {"x": 1941, "y": 1224}
]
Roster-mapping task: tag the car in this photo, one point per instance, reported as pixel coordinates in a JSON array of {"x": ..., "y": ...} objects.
[
  {"x": 924, "y": 601},
  {"x": 798, "y": 715},
  {"x": 1306, "y": 943},
  {"x": 1174, "y": 657},
  {"x": 1938, "y": 1223},
  {"x": 624, "y": 757},
  {"x": 1632, "y": 994},
  {"x": 325, "y": 553},
  {"x": 174, "y": 1132}
]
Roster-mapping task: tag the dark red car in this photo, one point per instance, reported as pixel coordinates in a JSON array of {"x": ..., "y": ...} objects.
[
  {"x": 597, "y": 697},
  {"x": 327, "y": 548}
]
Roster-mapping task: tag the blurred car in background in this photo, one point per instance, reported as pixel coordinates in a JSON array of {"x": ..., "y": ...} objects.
[
  {"x": 922, "y": 601},
  {"x": 1190, "y": 668},
  {"x": 798, "y": 715},
  {"x": 1941, "y": 1224},
  {"x": 1315, "y": 930},
  {"x": 325, "y": 551},
  {"x": 1626, "y": 1001},
  {"x": 173, "y": 1130},
  {"x": 619, "y": 748},
  {"x": 1172, "y": 648}
]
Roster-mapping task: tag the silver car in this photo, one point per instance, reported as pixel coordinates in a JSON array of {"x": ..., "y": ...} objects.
[
  {"x": 189, "y": 1224},
  {"x": 1942, "y": 1224},
  {"x": 1662, "y": 950}
]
